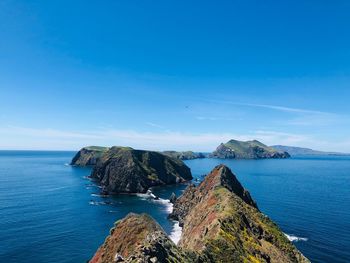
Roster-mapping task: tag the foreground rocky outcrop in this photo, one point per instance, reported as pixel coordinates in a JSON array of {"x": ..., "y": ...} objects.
[
  {"x": 125, "y": 170},
  {"x": 138, "y": 238},
  {"x": 187, "y": 155},
  {"x": 88, "y": 156},
  {"x": 234, "y": 149},
  {"x": 221, "y": 223}
]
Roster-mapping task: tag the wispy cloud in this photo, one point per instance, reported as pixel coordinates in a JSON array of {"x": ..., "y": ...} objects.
[
  {"x": 45, "y": 132},
  {"x": 152, "y": 124},
  {"x": 282, "y": 108},
  {"x": 268, "y": 106},
  {"x": 296, "y": 116},
  {"x": 59, "y": 139}
]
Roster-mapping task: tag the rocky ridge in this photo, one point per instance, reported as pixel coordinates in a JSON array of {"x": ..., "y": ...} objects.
[{"x": 221, "y": 223}]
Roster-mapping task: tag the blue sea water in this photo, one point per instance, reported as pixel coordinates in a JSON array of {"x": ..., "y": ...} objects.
[{"x": 51, "y": 212}]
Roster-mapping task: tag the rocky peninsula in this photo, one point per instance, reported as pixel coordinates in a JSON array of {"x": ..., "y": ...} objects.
[
  {"x": 234, "y": 149},
  {"x": 221, "y": 223}
]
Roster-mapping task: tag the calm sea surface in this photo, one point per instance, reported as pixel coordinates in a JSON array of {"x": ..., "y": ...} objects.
[{"x": 50, "y": 212}]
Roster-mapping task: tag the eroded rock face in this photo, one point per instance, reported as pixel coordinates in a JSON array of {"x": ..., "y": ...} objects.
[
  {"x": 221, "y": 223},
  {"x": 234, "y": 149},
  {"x": 220, "y": 176},
  {"x": 125, "y": 170},
  {"x": 138, "y": 238},
  {"x": 88, "y": 156}
]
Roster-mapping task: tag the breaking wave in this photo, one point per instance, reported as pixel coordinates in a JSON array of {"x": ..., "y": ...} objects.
[
  {"x": 293, "y": 238},
  {"x": 176, "y": 232}
]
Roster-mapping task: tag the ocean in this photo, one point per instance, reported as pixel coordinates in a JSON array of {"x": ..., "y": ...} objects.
[{"x": 52, "y": 212}]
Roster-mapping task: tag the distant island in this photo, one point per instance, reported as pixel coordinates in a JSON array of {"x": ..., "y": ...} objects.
[
  {"x": 235, "y": 149},
  {"x": 186, "y": 155},
  {"x": 126, "y": 170},
  {"x": 221, "y": 223},
  {"x": 292, "y": 150}
]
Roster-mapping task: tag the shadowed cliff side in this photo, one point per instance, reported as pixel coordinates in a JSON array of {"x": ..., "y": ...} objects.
[
  {"x": 125, "y": 170},
  {"x": 88, "y": 156}
]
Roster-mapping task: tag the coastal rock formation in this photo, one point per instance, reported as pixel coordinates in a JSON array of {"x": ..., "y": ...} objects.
[
  {"x": 138, "y": 238},
  {"x": 234, "y": 149},
  {"x": 187, "y": 155},
  {"x": 125, "y": 170},
  {"x": 221, "y": 223},
  {"x": 88, "y": 156}
]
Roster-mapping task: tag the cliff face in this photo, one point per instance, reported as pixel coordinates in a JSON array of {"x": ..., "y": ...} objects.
[
  {"x": 125, "y": 170},
  {"x": 187, "y": 155},
  {"x": 221, "y": 223},
  {"x": 138, "y": 238},
  {"x": 234, "y": 149},
  {"x": 88, "y": 156}
]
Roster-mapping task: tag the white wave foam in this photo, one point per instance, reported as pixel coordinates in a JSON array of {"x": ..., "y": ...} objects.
[
  {"x": 97, "y": 203},
  {"x": 175, "y": 234},
  {"x": 66, "y": 164},
  {"x": 56, "y": 189},
  {"x": 143, "y": 196},
  {"x": 99, "y": 195},
  {"x": 293, "y": 238}
]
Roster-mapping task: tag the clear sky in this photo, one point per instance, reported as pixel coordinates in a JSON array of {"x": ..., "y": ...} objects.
[{"x": 174, "y": 74}]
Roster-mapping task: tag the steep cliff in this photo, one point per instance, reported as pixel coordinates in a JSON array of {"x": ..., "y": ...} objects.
[
  {"x": 88, "y": 156},
  {"x": 222, "y": 223},
  {"x": 125, "y": 170}
]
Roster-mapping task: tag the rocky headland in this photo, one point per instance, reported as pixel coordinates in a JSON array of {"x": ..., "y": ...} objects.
[
  {"x": 221, "y": 223},
  {"x": 234, "y": 149},
  {"x": 88, "y": 156},
  {"x": 126, "y": 170}
]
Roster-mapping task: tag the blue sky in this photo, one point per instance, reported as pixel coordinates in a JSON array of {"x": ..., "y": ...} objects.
[{"x": 174, "y": 74}]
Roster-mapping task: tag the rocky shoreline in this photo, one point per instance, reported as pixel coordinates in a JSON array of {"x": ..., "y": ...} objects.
[{"x": 221, "y": 223}]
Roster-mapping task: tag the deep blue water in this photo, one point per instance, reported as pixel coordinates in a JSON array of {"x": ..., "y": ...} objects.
[{"x": 50, "y": 212}]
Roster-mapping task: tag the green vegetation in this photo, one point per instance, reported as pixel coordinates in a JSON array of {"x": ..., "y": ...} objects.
[{"x": 247, "y": 150}]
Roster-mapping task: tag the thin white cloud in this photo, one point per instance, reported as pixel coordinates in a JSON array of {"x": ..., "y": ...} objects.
[
  {"x": 282, "y": 108},
  {"x": 32, "y": 138},
  {"x": 268, "y": 106},
  {"x": 152, "y": 124},
  {"x": 296, "y": 116},
  {"x": 45, "y": 132}
]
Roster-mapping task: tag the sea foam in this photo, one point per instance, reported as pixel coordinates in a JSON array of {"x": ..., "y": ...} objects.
[
  {"x": 293, "y": 238},
  {"x": 176, "y": 232}
]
